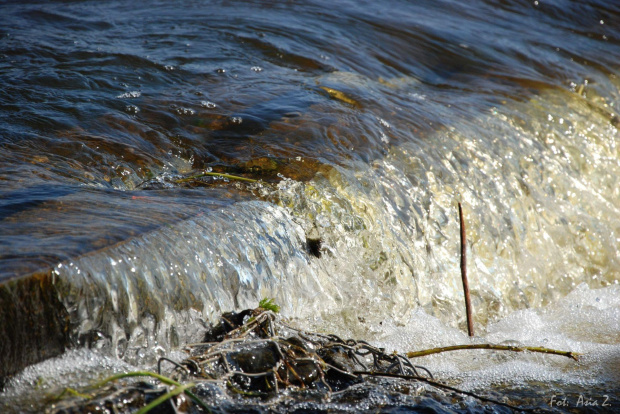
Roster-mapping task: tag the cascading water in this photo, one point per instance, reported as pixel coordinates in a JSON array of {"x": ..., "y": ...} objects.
[{"x": 365, "y": 130}]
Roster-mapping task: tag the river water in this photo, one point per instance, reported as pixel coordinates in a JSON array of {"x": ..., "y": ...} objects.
[{"x": 366, "y": 123}]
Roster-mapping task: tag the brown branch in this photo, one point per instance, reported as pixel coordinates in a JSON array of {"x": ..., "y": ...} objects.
[
  {"x": 415, "y": 354},
  {"x": 470, "y": 322}
]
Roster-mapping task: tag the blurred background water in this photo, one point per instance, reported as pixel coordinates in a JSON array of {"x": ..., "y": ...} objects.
[{"x": 366, "y": 123}]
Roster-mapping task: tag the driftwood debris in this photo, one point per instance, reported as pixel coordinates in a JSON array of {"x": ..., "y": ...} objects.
[{"x": 254, "y": 354}]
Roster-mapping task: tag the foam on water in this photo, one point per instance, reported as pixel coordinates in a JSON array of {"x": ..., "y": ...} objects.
[
  {"x": 587, "y": 321},
  {"x": 74, "y": 369}
]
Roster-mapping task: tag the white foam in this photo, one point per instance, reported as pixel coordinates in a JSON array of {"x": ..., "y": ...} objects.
[{"x": 587, "y": 321}]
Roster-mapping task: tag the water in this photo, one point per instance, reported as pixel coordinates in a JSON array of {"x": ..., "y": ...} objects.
[{"x": 366, "y": 122}]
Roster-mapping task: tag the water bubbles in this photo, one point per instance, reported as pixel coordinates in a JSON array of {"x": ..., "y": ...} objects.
[
  {"x": 169, "y": 68},
  {"x": 182, "y": 110},
  {"x": 237, "y": 120},
  {"x": 208, "y": 104},
  {"x": 417, "y": 96},
  {"x": 257, "y": 69},
  {"x": 159, "y": 350},
  {"x": 323, "y": 221},
  {"x": 220, "y": 70},
  {"x": 132, "y": 109},
  {"x": 132, "y": 94}
]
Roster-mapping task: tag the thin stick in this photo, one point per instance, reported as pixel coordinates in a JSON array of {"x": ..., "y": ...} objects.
[
  {"x": 470, "y": 322},
  {"x": 415, "y": 354}
]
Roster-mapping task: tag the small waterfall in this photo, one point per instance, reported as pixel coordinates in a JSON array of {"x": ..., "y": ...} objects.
[{"x": 538, "y": 200}]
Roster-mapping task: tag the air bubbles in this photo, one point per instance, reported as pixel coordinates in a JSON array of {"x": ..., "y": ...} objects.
[
  {"x": 182, "y": 110},
  {"x": 132, "y": 109},
  {"x": 185, "y": 111},
  {"x": 169, "y": 68},
  {"x": 159, "y": 350},
  {"x": 257, "y": 69},
  {"x": 323, "y": 221},
  {"x": 208, "y": 104},
  {"x": 237, "y": 120},
  {"x": 417, "y": 96},
  {"x": 220, "y": 70},
  {"x": 126, "y": 95}
]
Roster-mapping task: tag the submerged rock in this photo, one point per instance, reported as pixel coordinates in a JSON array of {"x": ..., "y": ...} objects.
[{"x": 34, "y": 324}]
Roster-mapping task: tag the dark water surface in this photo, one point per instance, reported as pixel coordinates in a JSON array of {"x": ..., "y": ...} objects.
[
  {"x": 100, "y": 97},
  {"x": 365, "y": 122}
]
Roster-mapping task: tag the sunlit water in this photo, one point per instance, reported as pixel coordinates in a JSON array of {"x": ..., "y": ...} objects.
[{"x": 368, "y": 123}]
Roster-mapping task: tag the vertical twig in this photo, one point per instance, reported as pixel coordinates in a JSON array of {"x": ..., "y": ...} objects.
[{"x": 470, "y": 322}]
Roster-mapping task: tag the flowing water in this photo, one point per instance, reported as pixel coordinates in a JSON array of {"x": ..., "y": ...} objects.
[{"x": 366, "y": 123}]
